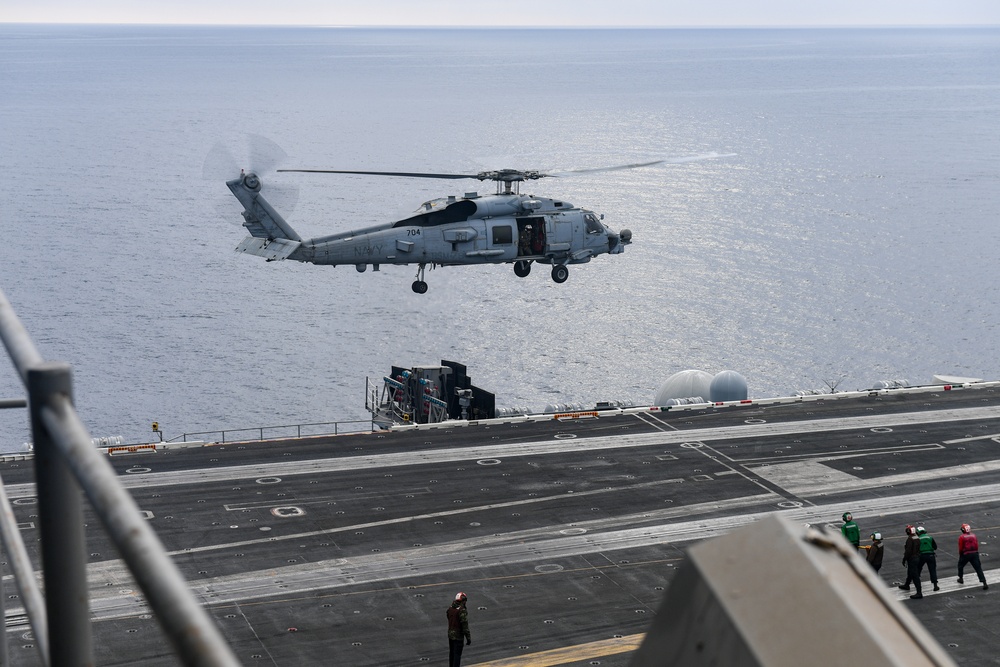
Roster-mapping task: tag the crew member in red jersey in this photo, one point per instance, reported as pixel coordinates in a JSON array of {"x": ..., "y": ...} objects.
[{"x": 968, "y": 552}]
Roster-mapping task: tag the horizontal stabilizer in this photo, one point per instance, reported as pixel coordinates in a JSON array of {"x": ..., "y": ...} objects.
[{"x": 268, "y": 249}]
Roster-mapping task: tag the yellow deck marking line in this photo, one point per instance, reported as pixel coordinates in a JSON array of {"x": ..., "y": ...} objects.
[{"x": 562, "y": 656}]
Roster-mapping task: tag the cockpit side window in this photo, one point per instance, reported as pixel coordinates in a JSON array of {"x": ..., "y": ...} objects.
[{"x": 594, "y": 225}]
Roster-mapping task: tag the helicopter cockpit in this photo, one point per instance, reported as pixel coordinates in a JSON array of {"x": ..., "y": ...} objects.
[{"x": 594, "y": 225}]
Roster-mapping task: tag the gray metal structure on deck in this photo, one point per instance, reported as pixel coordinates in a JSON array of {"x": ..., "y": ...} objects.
[{"x": 66, "y": 463}]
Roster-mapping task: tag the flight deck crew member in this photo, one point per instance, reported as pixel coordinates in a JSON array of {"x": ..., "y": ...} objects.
[
  {"x": 875, "y": 551},
  {"x": 910, "y": 536},
  {"x": 458, "y": 627},
  {"x": 927, "y": 548},
  {"x": 850, "y": 530},
  {"x": 968, "y": 552},
  {"x": 911, "y": 559}
]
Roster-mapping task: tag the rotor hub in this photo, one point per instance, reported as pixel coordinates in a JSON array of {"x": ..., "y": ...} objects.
[
  {"x": 509, "y": 175},
  {"x": 251, "y": 182}
]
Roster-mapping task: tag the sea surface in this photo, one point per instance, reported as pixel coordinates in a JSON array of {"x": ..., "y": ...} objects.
[{"x": 853, "y": 238}]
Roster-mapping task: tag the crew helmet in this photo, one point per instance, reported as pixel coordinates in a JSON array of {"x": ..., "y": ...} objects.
[
  {"x": 921, "y": 531},
  {"x": 966, "y": 528},
  {"x": 909, "y": 529},
  {"x": 847, "y": 516},
  {"x": 876, "y": 536},
  {"x": 461, "y": 597}
]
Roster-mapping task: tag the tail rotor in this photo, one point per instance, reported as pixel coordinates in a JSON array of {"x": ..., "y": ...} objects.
[{"x": 260, "y": 156}]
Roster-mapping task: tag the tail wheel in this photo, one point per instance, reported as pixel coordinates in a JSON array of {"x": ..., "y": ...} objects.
[
  {"x": 560, "y": 273},
  {"x": 522, "y": 268}
]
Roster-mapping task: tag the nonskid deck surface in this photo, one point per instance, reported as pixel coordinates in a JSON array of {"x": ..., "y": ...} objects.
[{"x": 564, "y": 534}]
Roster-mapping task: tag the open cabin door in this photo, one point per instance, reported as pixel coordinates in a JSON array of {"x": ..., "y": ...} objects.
[{"x": 530, "y": 236}]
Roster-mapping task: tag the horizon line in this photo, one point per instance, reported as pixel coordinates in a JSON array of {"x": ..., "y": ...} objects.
[{"x": 837, "y": 26}]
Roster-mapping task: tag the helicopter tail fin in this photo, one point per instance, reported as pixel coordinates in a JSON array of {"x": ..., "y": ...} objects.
[{"x": 259, "y": 217}]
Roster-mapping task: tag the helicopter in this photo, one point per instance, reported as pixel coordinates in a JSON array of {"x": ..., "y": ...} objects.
[{"x": 505, "y": 227}]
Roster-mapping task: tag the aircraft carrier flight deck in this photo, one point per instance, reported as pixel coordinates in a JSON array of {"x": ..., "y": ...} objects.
[{"x": 563, "y": 532}]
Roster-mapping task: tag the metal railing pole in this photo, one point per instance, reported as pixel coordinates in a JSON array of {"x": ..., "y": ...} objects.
[
  {"x": 60, "y": 522},
  {"x": 16, "y": 339},
  {"x": 24, "y": 578},
  {"x": 192, "y": 631},
  {"x": 4, "y": 661},
  {"x": 64, "y": 456}
]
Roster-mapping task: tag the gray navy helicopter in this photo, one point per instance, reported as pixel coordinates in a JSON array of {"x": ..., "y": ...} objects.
[{"x": 504, "y": 227}]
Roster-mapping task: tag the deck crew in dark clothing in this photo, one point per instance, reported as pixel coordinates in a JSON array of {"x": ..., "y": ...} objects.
[
  {"x": 911, "y": 559},
  {"x": 968, "y": 552},
  {"x": 875, "y": 551},
  {"x": 458, "y": 627},
  {"x": 909, "y": 537}
]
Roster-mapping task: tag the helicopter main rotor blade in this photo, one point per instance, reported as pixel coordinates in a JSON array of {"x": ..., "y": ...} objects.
[
  {"x": 514, "y": 175},
  {"x": 636, "y": 165},
  {"x": 595, "y": 170},
  {"x": 405, "y": 174}
]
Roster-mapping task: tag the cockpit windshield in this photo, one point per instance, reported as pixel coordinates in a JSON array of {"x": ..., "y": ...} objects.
[{"x": 594, "y": 225}]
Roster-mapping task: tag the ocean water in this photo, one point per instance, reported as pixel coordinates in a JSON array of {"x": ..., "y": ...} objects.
[{"x": 853, "y": 238}]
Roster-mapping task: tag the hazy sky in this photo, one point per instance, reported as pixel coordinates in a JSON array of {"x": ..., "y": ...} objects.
[{"x": 511, "y": 12}]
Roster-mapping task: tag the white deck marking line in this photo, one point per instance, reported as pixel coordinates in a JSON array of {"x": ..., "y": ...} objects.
[
  {"x": 718, "y": 458},
  {"x": 655, "y": 421},
  {"x": 647, "y": 517},
  {"x": 855, "y": 452},
  {"x": 506, "y": 550},
  {"x": 803, "y": 480},
  {"x": 501, "y": 451},
  {"x": 950, "y": 584},
  {"x": 958, "y": 441}
]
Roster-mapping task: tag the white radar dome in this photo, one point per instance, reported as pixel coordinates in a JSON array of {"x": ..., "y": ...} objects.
[
  {"x": 728, "y": 386},
  {"x": 684, "y": 384}
]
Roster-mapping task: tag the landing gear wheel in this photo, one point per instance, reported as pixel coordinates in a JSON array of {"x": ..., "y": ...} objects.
[
  {"x": 560, "y": 273},
  {"x": 419, "y": 286},
  {"x": 522, "y": 268}
]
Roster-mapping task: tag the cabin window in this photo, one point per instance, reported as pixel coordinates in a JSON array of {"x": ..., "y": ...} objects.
[{"x": 503, "y": 235}]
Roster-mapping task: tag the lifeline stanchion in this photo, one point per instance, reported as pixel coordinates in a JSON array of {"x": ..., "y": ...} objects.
[{"x": 60, "y": 520}]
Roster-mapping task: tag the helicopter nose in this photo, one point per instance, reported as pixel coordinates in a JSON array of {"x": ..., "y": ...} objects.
[{"x": 617, "y": 242}]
